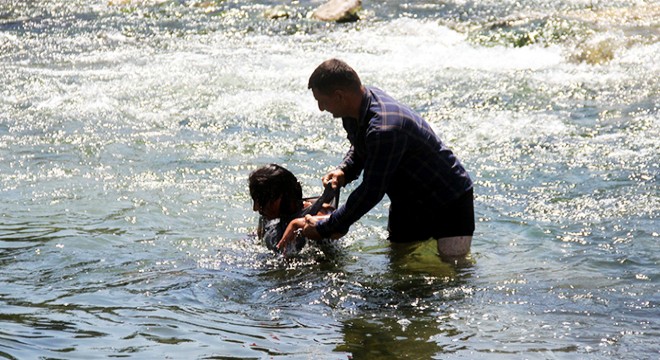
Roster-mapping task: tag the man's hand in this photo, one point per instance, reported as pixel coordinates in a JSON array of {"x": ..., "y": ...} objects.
[
  {"x": 308, "y": 227},
  {"x": 309, "y": 231},
  {"x": 335, "y": 178}
]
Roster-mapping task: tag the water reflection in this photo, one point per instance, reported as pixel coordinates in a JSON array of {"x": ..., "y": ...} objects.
[
  {"x": 389, "y": 301},
  {"x": 407, "y": 310},
  {"x": 423, "y": 257},
  {"x": 390, "y": 338}
]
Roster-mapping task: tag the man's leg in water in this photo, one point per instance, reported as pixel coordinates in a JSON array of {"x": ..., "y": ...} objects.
[
  {"x": 455, "y": 237},
  {"x": 454, "y": 247},
  {"x": 452, "y": 226}
]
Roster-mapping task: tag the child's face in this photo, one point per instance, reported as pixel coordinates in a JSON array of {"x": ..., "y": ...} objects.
[{"x": 271, "y": 210}]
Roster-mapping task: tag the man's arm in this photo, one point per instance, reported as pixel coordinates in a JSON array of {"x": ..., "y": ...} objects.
[
  {"x": 385, "y": 151},
  {"x": 351, "y": 165}
]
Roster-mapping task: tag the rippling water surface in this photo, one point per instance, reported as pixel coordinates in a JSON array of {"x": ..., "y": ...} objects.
[{"x": 128, "y": 129}]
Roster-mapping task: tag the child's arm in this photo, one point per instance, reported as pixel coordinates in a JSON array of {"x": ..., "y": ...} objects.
[{"x": 306, "y": 224}]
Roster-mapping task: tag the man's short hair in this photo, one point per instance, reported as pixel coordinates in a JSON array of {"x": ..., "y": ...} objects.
[{"x": 332, "y": 75}]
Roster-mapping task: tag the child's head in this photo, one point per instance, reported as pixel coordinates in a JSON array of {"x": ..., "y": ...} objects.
[{"x": 275, "y": 192}]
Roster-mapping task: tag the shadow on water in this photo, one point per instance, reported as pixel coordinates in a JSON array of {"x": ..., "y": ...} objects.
[
  {"x": 405, "y": 312},
  {"x": 389, "y": 301}
]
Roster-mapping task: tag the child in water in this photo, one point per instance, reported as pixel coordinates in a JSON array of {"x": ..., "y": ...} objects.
[{"x": 277, "y": 196}]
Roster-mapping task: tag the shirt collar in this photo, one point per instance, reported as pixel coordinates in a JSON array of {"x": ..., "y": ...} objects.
[
  {"x": 364, "y": 106},
  {"x": 364, "y": 109}
]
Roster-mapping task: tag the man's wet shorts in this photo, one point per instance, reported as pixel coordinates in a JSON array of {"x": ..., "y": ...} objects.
[{"x": 412, "y": 222}]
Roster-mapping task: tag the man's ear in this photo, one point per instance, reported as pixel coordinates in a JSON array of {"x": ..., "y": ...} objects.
[{"x": 340, "y": 95}]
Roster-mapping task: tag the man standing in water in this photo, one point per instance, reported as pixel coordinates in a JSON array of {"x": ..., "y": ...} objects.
[{"x": 398, "y": 154}]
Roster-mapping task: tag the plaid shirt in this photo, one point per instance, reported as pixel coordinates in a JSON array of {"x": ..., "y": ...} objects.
[{"x": 399, "y": 155}]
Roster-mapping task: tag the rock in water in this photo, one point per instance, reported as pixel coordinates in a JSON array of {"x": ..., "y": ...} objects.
[
  {"x": 338, "y": 11},
  {"x": 278, "y": 12}
]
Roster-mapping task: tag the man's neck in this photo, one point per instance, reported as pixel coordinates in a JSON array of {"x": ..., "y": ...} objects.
[{"x": 356, "y": 103}]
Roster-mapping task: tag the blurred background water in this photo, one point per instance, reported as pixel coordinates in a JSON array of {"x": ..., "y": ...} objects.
[{"x": 128, "y": 129}]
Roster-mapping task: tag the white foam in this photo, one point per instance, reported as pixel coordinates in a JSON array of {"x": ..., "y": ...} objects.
[{"x": 421, "y": 45}]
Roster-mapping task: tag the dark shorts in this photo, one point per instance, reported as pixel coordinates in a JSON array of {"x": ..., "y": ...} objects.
[{"x": 414, "y": 222}]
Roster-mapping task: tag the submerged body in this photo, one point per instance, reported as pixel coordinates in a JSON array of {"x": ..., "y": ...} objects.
[
  {"x": 277, "y": 196},
  {"x": 272, "y": 233}
]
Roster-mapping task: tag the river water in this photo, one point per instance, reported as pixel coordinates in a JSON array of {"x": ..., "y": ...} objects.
[{"x": 128, "y": 130}]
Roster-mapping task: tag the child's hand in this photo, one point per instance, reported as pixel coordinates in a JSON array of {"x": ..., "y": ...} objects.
[{"x": 290, "y": 234}]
